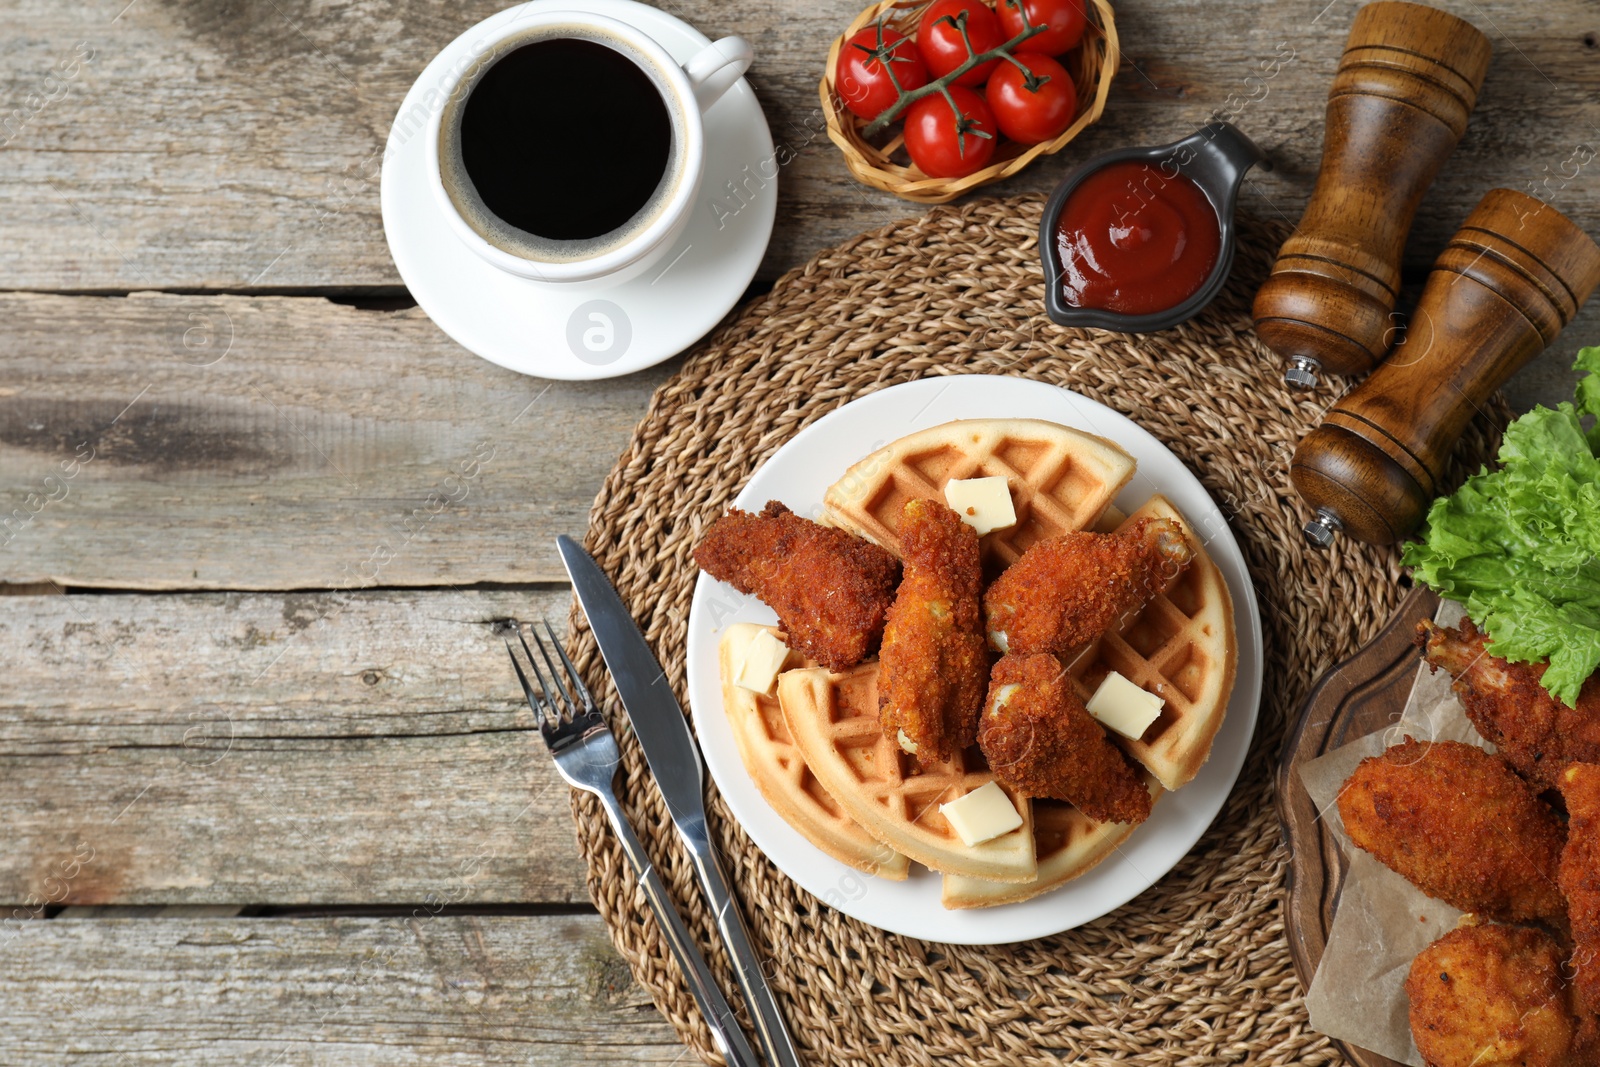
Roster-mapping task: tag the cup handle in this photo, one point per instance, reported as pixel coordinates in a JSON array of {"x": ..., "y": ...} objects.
[{"x": 713, "y": 70}]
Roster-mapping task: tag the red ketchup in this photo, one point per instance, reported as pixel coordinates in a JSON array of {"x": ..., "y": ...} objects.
[{"x": 1136, "y": 238}]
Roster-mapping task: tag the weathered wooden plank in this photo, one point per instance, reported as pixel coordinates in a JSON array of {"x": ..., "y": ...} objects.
[
  {"x": 186, "y": 143},
  {"x": 161, "y": 441},
  {"x": 423, "y": 988},
  {"x": 329, "y": 447},
  {"x": 275, "y": 749}
]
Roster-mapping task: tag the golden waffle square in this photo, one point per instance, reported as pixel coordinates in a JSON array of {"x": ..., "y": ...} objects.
[
  {"x": 833, "y": 718},
  {"x": 1066, "y": 844},
  {"x": 1061, "y": 480},
  {"x": 1181, "y": 647},
  {"x": 780, "y": 772}
]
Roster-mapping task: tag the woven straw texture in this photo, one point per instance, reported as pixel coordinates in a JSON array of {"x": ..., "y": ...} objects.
[{"x": 1196, "y": 971}]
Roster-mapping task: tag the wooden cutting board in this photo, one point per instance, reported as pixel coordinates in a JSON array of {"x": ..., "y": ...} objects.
[{"x": 1366, "y": 692}]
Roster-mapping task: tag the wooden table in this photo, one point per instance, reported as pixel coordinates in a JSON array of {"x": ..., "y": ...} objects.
[{"x": 261, "y": 765}]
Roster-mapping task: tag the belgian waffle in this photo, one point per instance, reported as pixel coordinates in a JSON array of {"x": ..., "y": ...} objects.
[
  {"x": 780, "y": 772},
  {"x": 1066, "y": 843},
  {"x": 1181, "y": 647},
  {"x": 1061, "y": 480},
  {"x": 833, "y": 718}
]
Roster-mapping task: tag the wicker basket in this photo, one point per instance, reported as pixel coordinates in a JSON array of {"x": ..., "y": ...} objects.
[{"x": 1092, "y": 63}]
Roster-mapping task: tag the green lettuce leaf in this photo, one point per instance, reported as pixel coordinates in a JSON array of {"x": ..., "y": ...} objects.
[
  {"x": 1520, "y": 544},
  {"x": 1589, "y": 385}
]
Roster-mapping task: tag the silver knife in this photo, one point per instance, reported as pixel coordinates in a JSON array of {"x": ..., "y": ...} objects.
[{"x": 669, "y": 748}]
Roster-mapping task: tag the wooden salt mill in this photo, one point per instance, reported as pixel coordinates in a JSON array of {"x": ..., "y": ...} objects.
[
  {"x": 1399, "y": 103},
  {"x": 1514, "y": 274}
]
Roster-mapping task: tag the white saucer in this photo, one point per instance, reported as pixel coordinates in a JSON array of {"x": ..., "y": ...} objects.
[
  {"x": 577, "y": 330},
  {"x": 799, "y": 474}
]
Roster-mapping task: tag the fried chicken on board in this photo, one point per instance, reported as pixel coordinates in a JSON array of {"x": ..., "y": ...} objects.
[
  {"x": 1580, "y": 877},
  {"x": 1535, "y": 732},
  {"x": 831, "y": 589},
  {"x": 1460, "y": 825},
  {"x": 1039, "y": 739},
  {"x": 1069, "y": 590},
  {"x": 933, "y": 663},
  {"x": 1497, "y": 996}
]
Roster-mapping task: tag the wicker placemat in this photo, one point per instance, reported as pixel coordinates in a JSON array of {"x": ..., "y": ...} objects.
[{"x": 1196, "y": 970}]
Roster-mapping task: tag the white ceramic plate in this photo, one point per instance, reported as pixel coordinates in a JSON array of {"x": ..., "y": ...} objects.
[
  {"x": 580, "y": 330},
  {"x": 798, "y": 474}
]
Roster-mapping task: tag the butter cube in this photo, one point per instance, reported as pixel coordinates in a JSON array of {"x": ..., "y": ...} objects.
[
  {"x": 983, "y": 503},
  {"x": 982, "y": 815},
  {"x": 1122, "y": 706},
  {"x": 762, "y": 662}
]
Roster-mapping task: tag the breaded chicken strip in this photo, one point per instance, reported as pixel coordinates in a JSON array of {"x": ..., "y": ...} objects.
[
  {"x": 1039, "y": 739},
  {"x": 933, "y": 664},
  {"x": 1068, "y": 590},
  {"x": 1580, "y": 877},
  {"x": 1495, "y": 996},
  {"x": 1460, "y": 825},
  {"x": 831, "y": 589},
  {"x": 1533, "y": 730}
]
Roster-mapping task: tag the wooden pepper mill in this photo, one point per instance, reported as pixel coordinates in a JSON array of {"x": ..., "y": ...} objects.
[
  {"x": 1399, "y": 103},
  {"x": 1514, "y": 274}
]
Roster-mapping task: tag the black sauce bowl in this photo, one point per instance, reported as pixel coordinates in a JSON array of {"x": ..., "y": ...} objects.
[{"x": 1216, "y": 158}]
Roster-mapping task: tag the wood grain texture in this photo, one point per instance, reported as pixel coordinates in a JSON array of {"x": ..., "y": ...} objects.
[
  {"x": 227, "y": 145},
  {"x": 321, "y": 450},
  {"x": 1507, "y": 283},
  {"x": 416, "y": 989},
  {"x": 160, "y": 441},
  {"x": 1406, "y": 85},
  {"x": 276, "y": 749},
  {"x": 210, "y": 750},
  {"x": 1364, "y": 693}
]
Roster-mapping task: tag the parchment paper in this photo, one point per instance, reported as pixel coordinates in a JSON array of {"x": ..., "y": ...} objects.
[{"x": 1358, "y": 993}]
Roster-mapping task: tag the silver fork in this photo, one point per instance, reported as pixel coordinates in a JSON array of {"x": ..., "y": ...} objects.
[{"x": 587, "y": 757}]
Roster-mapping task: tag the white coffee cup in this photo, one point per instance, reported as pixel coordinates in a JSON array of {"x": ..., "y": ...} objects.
[{"x": 687, "y": 90}]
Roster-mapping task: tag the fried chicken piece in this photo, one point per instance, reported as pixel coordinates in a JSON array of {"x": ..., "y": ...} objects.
[
  {"x": 1070, "y": 589},
  {"x": 1580, "y": 877},
  {"x": 1460, "y": 825},
  {"x": 933, "y": 663},
  {"x": 831, "y": 589},
  {"x": 1535, "y": 732},
  {"x": 1039, "y": 739},
  {"x": 1495, "y": 996}
]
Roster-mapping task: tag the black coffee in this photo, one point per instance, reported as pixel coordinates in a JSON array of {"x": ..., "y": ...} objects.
[{"x": 565, "y": 139}]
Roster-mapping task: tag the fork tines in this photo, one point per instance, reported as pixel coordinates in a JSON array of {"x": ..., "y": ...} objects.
[{"x": 557, "y": 700}]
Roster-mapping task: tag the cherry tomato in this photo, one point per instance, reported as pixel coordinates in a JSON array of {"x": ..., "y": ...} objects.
[
  {"x": 1035, "y": 106},
  {"x": 944, "y": 145},
  {"x": 861, "y": 78},
  {"x": 1064, "y": 21},
  {"x": 939, "y": 38}
]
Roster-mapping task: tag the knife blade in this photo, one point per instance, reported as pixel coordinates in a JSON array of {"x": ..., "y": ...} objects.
[
  {"x": 658, "y": 721},
  {"x": 674, "y": 760}
]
